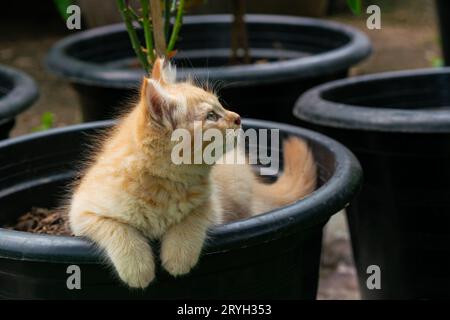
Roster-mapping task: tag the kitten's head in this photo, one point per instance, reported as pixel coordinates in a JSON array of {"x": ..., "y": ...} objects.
[{"x": 169, "y": 105}]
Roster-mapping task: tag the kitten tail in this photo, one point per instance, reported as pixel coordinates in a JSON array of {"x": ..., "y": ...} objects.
[{"x": 297, "y": 181}]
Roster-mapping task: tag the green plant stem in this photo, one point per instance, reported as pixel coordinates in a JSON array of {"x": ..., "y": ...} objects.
[
  {"x": 158, "y": 28},
  {"x": 135, "y": 16},
  {"x": 176, "y": 26},
  {"x": 133, "y": 34},
  {"x": 147, "y": 32}
]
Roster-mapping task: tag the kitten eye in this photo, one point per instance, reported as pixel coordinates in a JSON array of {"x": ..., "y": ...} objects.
[{"x": 212, "y": 116}]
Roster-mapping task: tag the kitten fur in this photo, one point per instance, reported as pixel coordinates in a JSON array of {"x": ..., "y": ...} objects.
[{"x": 132, "y": 192}]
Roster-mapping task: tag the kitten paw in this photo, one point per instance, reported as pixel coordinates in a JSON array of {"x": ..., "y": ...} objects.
[
  {"x": 136, "y": 272},
  {"x": 177, "y": 260}
]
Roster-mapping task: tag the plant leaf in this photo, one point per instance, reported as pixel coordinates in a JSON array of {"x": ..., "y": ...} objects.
[
  {"x": 62, "y": 5},
  {"x": 355, "y": 6},
  {"x": 437, "y": 62},
  {"x": 47, "y": 120}
]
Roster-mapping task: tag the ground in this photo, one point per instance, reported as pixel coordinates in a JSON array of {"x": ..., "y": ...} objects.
[{"x": 408, "y": 39}]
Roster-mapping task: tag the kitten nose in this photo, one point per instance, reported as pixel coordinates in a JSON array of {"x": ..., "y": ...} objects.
[{"x": 237, "y": 120}]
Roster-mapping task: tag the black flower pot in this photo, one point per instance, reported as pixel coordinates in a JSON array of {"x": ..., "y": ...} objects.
[
  {"x": 294, "y": 54},
  {"x": 17, "y": 92},
  {"x": 398, "y": 126},
  {"x": 273, "y": 255}
]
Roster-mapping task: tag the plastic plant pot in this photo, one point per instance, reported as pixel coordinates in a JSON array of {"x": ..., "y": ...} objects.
[
  {"x": 398, "y": 126},
  {"x": 273, "y": 255},
  {"x": 289, "y": 54},
  {"x": 17, "y": 92}
]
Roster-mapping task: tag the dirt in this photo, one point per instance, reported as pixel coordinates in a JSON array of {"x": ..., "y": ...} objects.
[
  {"x": 41, "y": 220},
  {"x": 408, "y": 38},
  {"x": 338, "y": 279}
]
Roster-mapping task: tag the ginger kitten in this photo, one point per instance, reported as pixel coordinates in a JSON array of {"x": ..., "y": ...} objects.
[{"x": 133, "y": 192}]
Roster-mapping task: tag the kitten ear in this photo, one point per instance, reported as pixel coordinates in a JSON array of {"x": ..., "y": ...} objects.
[
  {"x": 157, "y": 71},
  {"x": 163, "y": 71},
  {"x": 159, "y": 104}
]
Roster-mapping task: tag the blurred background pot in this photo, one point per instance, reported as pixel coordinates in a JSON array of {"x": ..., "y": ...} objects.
[
  {"x": 273, "y": 255},
  {"x": 398, "y": 126},
  {"x": 17, "y": 92},
  {"x": 289, "y": 55}
]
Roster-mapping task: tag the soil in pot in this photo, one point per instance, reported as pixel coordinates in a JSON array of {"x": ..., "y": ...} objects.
[
  {"x": 299, "y": 54},
  {"x": 237, "y": 260},
  {"x": 398, "y": 125},
  {"x": 42, "y": 220}
]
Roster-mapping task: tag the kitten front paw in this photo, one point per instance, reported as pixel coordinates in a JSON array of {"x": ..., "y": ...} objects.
[
  {"x": 136, "y": 272},
  {"x": 179, "y": 260}
]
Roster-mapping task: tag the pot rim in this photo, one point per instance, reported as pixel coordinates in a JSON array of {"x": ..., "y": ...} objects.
[
  {"x": 78, "y": 71},
  {"x": 310, "y": 212},
  {"x": 24, "y": 92},
  {"x": 313, "y": 108}
]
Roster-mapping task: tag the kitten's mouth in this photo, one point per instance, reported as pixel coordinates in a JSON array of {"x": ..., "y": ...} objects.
[{"x": 234, "y": 120}]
